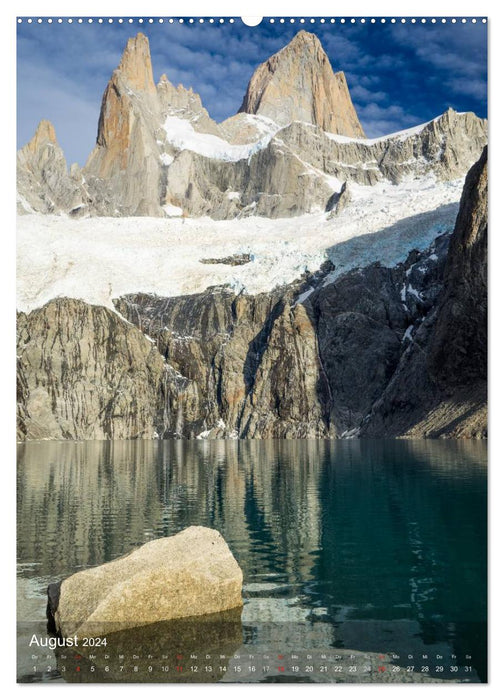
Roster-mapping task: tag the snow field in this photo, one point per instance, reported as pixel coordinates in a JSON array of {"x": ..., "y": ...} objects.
[{"x": 98, "y": 259}]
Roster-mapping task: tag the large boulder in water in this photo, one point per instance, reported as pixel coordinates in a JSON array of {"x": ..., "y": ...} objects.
[{"x": 192, "y": 573}]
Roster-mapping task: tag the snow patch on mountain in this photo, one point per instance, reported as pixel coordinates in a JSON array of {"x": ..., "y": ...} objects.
[
  {"x": 99, "y": 259},
  {"x": 181, "y": 135},
  {"x": 397, "y": 135},
  {"x": 172, "y": 210}
]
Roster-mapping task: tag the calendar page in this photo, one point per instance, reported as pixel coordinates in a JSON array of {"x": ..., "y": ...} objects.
[{"x": 252, "y": 349}]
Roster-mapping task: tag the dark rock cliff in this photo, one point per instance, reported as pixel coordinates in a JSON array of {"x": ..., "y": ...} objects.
[
  {"x": 439, "y": 387},
  {"x": 288, "y": 363}
]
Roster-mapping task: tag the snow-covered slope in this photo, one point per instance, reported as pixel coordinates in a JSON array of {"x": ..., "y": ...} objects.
[
  {"x": 181, "y": 134},
  {"x": 100, "y": 259},
  {"x": 396, "y": 135}
]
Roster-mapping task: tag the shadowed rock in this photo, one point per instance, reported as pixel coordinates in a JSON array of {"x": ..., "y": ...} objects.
[{"x": 439, "y": 387}]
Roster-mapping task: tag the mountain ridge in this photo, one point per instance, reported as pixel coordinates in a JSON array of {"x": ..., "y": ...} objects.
[
  {"x": 368, "y": 352},
  {"x": 158, "y": 151}
]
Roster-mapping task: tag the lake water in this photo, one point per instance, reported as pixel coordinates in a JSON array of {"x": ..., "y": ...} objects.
[{"x": 373, "y": 546}]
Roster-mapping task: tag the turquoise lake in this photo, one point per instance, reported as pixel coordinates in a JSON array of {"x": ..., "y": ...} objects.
[{"x": 377, "y": 546}]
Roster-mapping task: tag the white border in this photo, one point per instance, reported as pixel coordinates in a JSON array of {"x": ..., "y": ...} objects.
[{"x": 7, "y": 359}]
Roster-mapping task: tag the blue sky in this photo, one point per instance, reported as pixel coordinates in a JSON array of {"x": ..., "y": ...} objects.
[{"x": 399, "y": 75}]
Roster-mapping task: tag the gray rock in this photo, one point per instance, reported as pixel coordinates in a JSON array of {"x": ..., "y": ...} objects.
[
  {"x": 292, "y": 174},
  {"x": 190, "y": 574},
  {"x": 240, "y": 355},
  {"x": 84, "y": 373},
  {"x": 43, "y": 182},
  {"x": 339, "y": 201},
  {"x": 235, "y": 260}
]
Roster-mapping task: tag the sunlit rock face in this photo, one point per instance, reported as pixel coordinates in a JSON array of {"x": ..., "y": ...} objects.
[
  {"x": 84, "y": 373},
  {"x": 298, "y": 84}
]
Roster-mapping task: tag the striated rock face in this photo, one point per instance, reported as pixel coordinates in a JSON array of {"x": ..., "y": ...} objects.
[
  {"x": 446, "y": 147},
  {"x": 298, "y": 84},
  {"x": 240, "y": 356},
  {"x": 190, "y": 574},
  {"x": 185, "y": 104},
  {"x": 302, "y": 168},
  {"x": 273, "y": 183},
  {"x": 135, "y": 66},
  {"x": 439, "y": 387},
  {"x": 84, "y": 373},
  {"x": 461, "y": 325},
  {"x": 289, "y": 363},
  {"x": 297, "y": 169}
]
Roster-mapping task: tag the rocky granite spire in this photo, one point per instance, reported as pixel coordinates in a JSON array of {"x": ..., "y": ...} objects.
[
  {"x": 43, "y": 181},
  {"x": 134, "y": 74},
  {"x": 136, "y": 65},
  {"x": 126, "y": 153},
  {"x": 44, "y": 134},
  {"x": 298, "y": 84}
]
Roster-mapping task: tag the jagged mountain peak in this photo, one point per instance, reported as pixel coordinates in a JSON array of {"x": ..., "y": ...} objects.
[
  {"x": 184, "y": 103},
  {"x": 176, "y": 96},
  {"x": 136, "y": 66},
  {"x": 303, "y": 39},
  {"x": 43, "y": 182},
  {"x": 164, "y": 80},
  {"x": 288, "y": 151},
  {"x": 44, "y": 133},
  {"x": 126, "y": 152},
  {"x": 298, "y": 84}
]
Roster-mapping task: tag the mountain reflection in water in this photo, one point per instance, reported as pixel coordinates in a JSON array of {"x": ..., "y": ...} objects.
[{"x": 375, "y": 545}]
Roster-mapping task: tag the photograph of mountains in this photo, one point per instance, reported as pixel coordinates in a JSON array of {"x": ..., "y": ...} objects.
[{"x": 252, "y": 350}]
